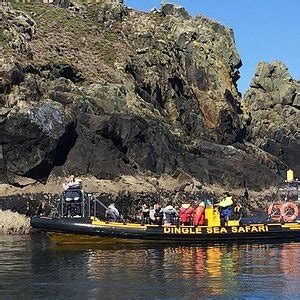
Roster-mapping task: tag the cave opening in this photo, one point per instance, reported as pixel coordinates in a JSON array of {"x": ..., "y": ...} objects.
[{"x": 57, "y": 157}]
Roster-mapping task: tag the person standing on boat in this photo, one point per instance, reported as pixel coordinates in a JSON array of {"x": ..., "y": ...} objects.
[
  {"x": 73, "y": 182},
  {"x": 225, "y": 207},
  {"x": 152, "y": 212}
]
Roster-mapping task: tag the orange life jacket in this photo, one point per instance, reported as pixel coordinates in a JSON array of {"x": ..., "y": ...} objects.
[{"x": 199, "y": 217}]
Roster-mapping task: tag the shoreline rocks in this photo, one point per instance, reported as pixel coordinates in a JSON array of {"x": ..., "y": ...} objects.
[{"x": 13, "y": 223}]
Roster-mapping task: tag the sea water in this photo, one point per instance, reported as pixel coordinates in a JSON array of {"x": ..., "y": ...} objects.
[{"x": 32, "y": 267}]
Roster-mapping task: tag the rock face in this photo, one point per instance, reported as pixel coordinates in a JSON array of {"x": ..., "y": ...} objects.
[
  {"x": 18, "y": 29},
  {"x": 112, "y": 93},
  {"x": 111, "y": 12},
  {"x": 273, "y": 101},
  {"x": 36, "y": 139},
  {"x": 187, "y": 70}
]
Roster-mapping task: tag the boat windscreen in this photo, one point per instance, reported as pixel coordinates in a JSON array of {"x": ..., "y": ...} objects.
[{"x": 73, "y": 195}]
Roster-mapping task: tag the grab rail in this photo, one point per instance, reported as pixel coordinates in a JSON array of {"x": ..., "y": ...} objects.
[
  {"x": 95, "y": 200},
  {"x": 88, "y": 205}
]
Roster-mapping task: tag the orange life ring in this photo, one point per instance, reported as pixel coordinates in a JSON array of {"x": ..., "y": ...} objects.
[
  {"x": 289, "y": 211},
  {"x": 274, "y": 211}
]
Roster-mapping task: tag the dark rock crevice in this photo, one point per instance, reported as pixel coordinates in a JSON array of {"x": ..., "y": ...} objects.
[
  {"x": 11, "y": 75},
  {"x": 57, "y": 157},
  {"x": 65, "y": 143}
]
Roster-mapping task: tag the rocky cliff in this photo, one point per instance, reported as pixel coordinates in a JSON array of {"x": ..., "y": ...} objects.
[
  {"x": 273, "y": 106},
  {"x": 106, "y": 91}
]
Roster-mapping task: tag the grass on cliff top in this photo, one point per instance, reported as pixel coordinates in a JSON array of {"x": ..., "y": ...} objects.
[{"x": 67, "y": 37}]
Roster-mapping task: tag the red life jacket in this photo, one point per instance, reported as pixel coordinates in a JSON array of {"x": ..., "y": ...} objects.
[{"x": 186, "y": 214}]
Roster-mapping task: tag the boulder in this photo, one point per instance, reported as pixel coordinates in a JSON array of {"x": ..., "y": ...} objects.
[
  {"x": 18, "y": 30},
  {"x": 11, "y": 73},
  {"x": 62, "y": 3},
  {"x": 147, "y": 143},
  {"x": 174, "y": 10},
  {"x": 3, "y": 174},
  {"x": 111, "y": 12}
]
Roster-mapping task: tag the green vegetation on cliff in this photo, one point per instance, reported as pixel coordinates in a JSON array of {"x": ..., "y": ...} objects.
[{"x": 63, "y": 36}]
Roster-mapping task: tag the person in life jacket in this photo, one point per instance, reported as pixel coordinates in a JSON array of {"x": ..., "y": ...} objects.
[
  {"x": 112, "y": 214},
  {"x": 170, "y": 214},
  {"x": 199, "y": 216},
  {"x": 225, "y": 207},
  {"x": 186, "y": 213}
]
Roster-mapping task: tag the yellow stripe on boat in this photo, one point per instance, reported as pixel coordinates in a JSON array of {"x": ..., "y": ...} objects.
[
  {"x": 97, "y": 222},
  {"x": 293, "y": 226}
]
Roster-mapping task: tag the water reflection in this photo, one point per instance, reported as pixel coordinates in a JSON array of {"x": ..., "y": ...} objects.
[
  {"x": 42, "y": 269},
  {"x": 212, "y": 270}
]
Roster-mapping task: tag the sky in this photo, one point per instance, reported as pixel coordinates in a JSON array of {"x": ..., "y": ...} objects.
[{"x": 265, "y": 30}]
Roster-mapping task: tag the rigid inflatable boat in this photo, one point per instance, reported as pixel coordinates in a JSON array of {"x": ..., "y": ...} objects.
[
  {"x": 77, "y": 223},
  {"x": 91, "y": 230}
]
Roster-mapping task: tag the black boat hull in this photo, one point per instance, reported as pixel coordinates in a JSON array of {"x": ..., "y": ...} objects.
[{"x": 86, "y": 230}]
